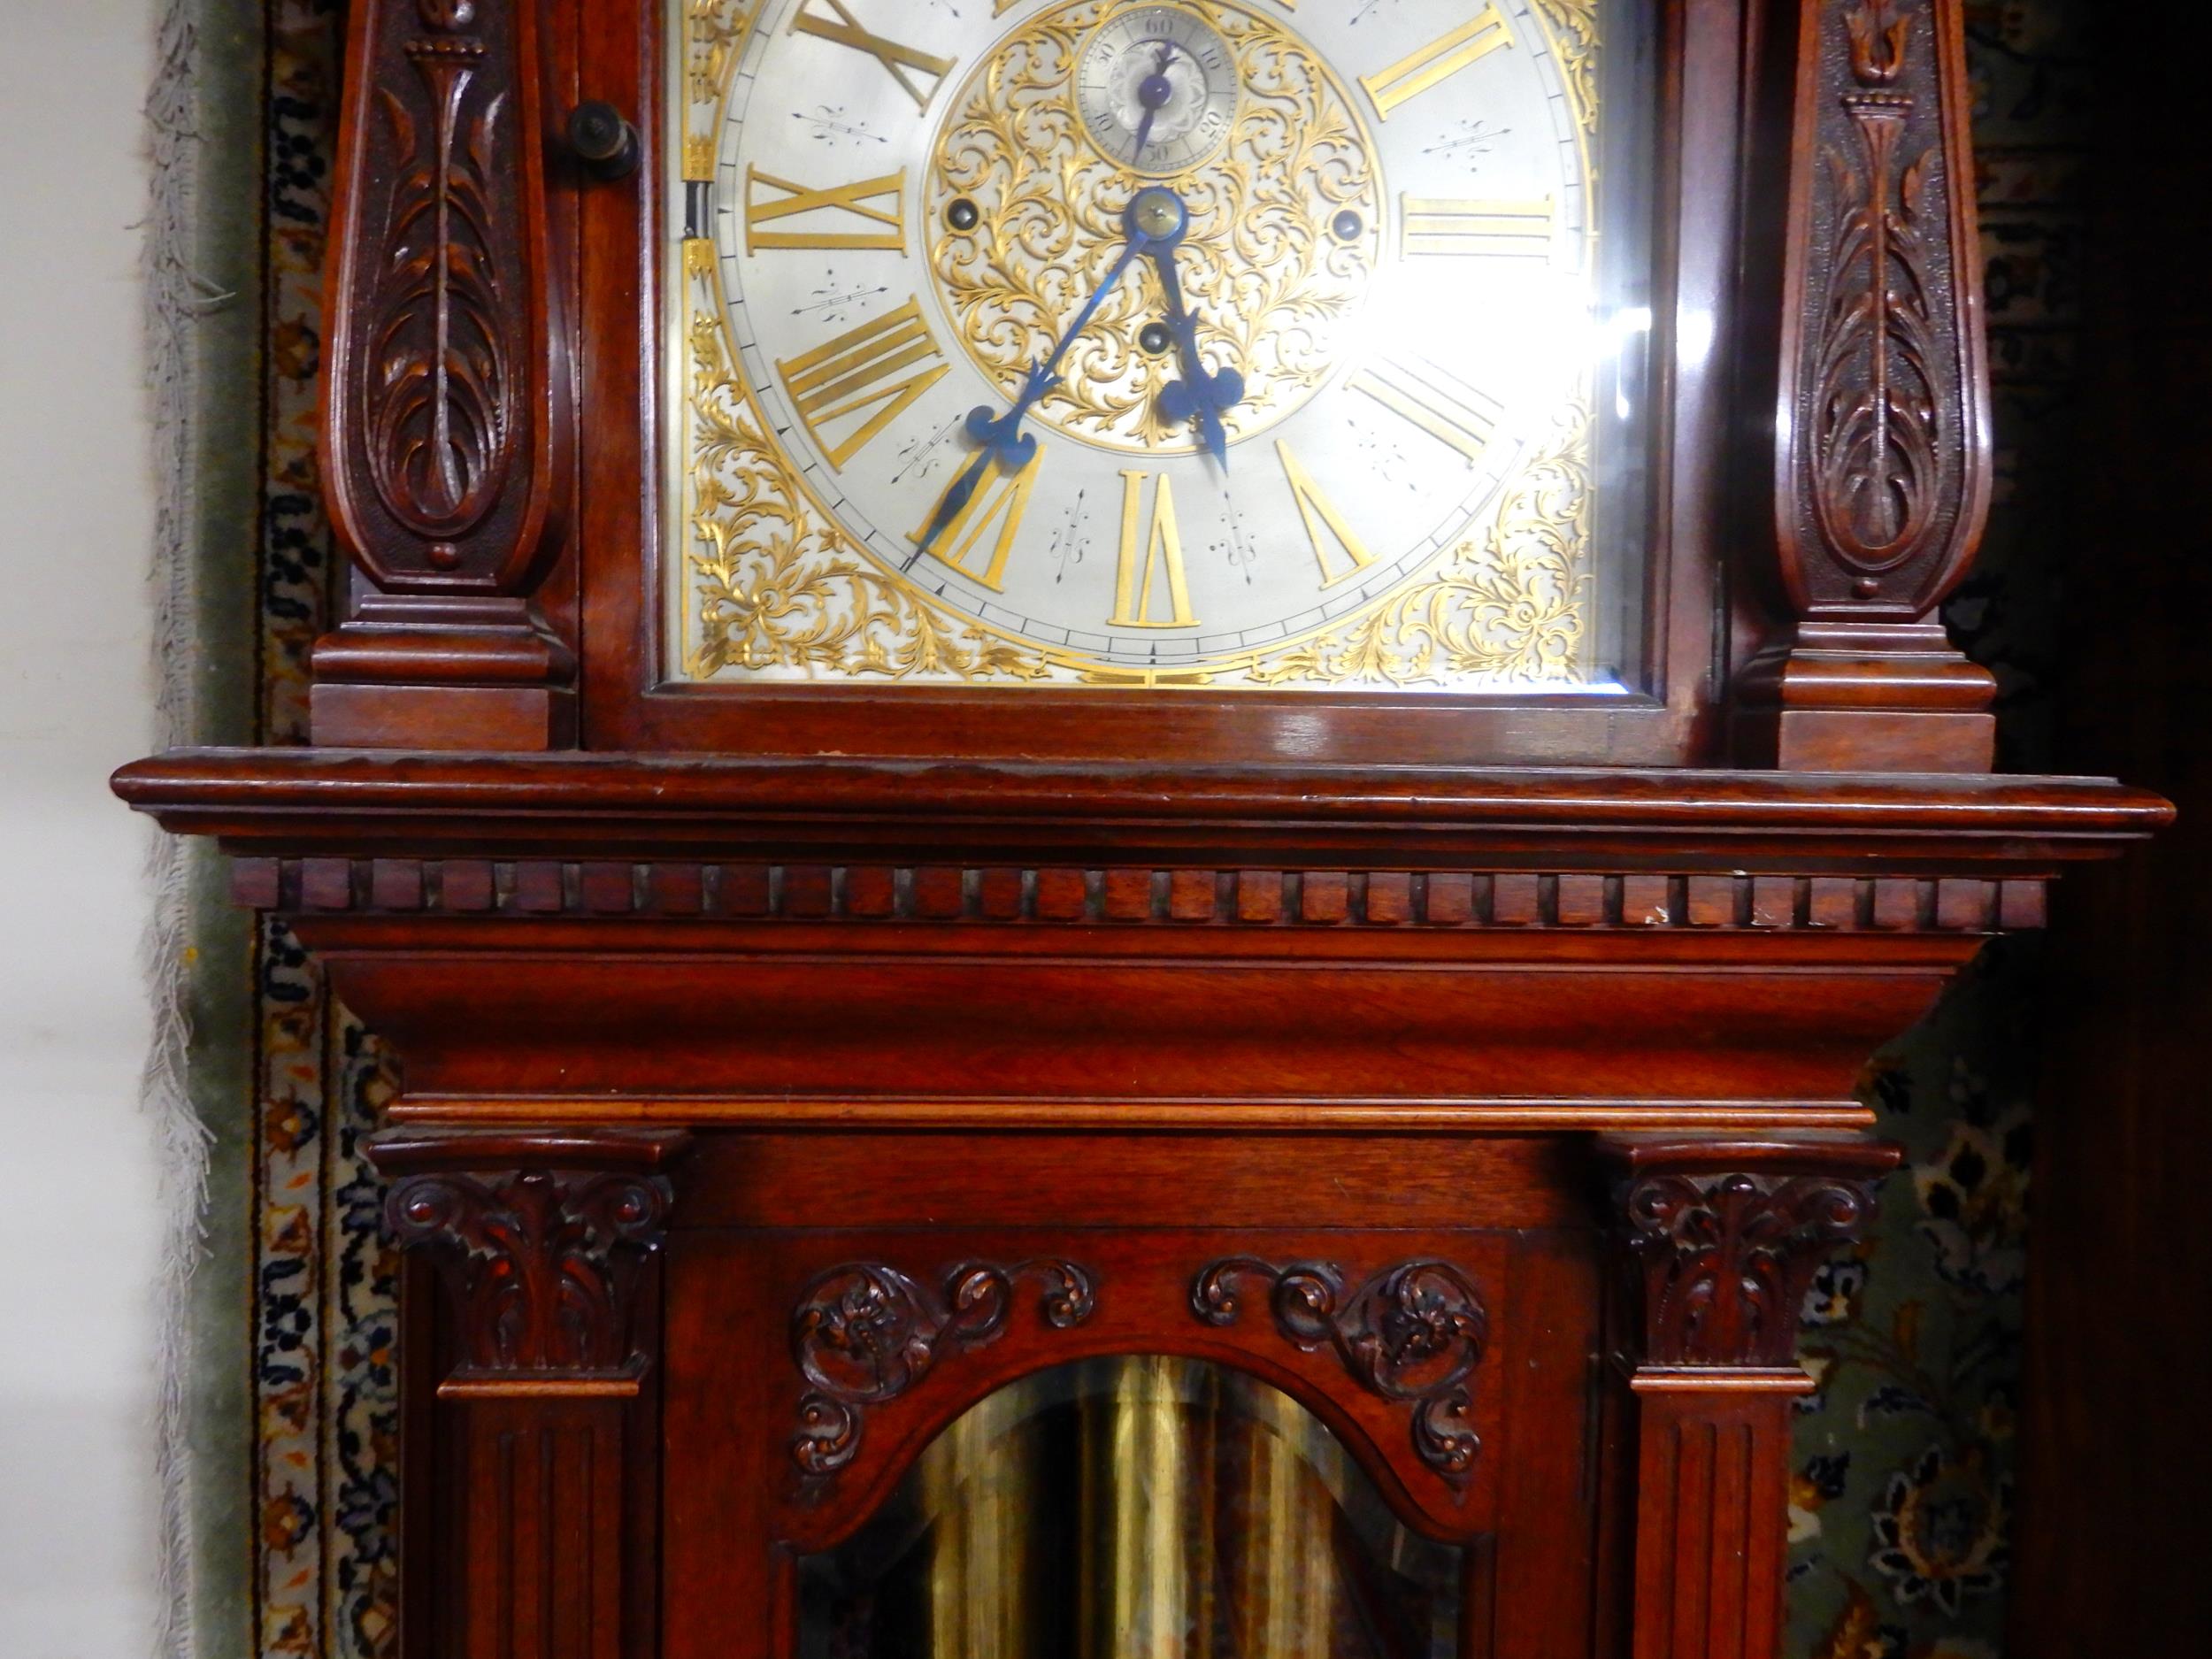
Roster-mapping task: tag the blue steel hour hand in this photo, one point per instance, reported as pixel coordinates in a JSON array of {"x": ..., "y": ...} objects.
[
  {"x": 1152, "y": 214},
  {"x": 1204, "y": 394}
]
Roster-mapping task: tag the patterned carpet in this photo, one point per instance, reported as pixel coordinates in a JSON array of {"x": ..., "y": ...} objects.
[{"x": 1901, "y": 1503}]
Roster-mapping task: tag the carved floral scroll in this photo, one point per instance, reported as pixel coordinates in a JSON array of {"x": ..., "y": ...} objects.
[
  {"x": 1411, "y": 1334},
  {"x": 863, "y": 1334}
]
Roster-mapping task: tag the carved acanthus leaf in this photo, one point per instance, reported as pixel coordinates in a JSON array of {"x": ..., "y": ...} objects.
[
  {"x": 865, "y": 1332},
  {"x": 1886, "y": 421},
  {"x": 438, "y": 398},
  {"x": 1412, "y": 1334},
  {"x": 448, "y": 424},
  {"x": 542, "y": 1265},
  {"x": 1725, "y": 1261}
]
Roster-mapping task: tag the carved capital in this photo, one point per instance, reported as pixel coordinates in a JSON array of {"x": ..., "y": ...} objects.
[
  {"x": 539, "y": 1240},
  {"x": 1722, "y": 1240},
  {"x": 1412, "y": 1334},
  {"x": 863, "y": 1334}
]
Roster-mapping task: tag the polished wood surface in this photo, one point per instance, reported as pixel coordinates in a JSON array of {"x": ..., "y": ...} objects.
[
  {"x": 1544, "y": 948},
  {"x": 1378, "y": 1039},
  {"x": 785, "y": 1072},
  {"x": 291, "y": 801}
]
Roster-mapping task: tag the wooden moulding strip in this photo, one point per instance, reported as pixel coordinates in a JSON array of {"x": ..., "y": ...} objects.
[
  {"x": 541, "y": 1385},
  {"x": 1787, "y": 1380},
  {"x": 1514, "y": 1115}
]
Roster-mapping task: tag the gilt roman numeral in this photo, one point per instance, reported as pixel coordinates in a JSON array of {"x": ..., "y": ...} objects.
[
  {"x": 1005, "y": 499},
  {"x": 866, "y": 369},
  {"x": 1320, "y": 513},
  {"x": 1442, "y": 405},
  {"x": 1494, "y": 230},
  {"x": 1438, "y": 62},
  {"x": 1149, "y": 551},
  {"x": 904, "y": 62},
  {"x": 863, "y": 200}
]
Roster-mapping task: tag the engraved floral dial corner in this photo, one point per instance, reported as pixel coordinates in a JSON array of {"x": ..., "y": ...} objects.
[{"x": 957, "y": 400}]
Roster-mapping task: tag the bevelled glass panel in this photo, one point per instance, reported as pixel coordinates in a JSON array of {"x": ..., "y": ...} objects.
[{"x": 1143, "y": 1508}]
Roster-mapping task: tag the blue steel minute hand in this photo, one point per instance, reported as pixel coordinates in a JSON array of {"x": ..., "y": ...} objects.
[{"x": 1000, "y": 437}]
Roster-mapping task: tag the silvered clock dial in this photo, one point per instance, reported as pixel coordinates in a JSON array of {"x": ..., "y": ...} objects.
[{"x": 1153, "y": 342}]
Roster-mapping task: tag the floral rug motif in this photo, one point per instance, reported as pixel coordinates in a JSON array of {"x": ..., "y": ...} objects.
[{"x": 1900, "y": 1506}]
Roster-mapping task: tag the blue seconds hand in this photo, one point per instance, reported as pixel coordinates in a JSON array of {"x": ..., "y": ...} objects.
[
  {"x": 1153, "y": 214},
  {"x": 1155, "y": 92}
]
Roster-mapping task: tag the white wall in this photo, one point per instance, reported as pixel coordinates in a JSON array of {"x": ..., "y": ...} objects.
[{"x": 78, "y": 1228}]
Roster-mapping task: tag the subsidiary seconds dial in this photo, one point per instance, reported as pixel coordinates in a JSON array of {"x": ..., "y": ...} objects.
[{"x": 1157, "y": 89}]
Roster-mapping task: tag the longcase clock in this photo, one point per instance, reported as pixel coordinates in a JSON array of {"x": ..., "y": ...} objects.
[{"x": 1130, "y": 782}]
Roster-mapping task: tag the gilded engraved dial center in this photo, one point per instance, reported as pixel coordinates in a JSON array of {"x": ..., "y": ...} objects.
[
  {"x": 1257, "y": 137},
  {"x": 1157, "y": 89}
]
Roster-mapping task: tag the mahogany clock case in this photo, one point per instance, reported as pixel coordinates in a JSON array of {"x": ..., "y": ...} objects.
[
  {"x": 759, "y": 1119},
  {"x": 587, "y": 540},
  {"x": 786, "y": 1071}
]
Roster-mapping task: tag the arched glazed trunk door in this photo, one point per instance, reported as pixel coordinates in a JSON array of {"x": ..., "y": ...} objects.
[
  {"x": 1135, "y": 1507},
  {"x": 1079, "y": 1440}
]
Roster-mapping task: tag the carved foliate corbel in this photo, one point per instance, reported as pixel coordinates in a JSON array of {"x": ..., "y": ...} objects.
[
  {"x": 1882, "y": 458},
  {"x": 448, "y": 419},
  {"x": 1411, "y": 1334},
  {"x": 1722, "y": 1240},
  {"x": 539, "y": 1242}
]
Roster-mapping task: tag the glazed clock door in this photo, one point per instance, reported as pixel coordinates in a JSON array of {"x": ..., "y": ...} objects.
[
  {"x": 1244, "y": 346},
  {"x": 985, "y": 1396},
  {"x": 1138, "y": 1507}
]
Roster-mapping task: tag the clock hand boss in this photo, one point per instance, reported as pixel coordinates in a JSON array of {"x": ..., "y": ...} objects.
[{"x": 1150, "y": 212}]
